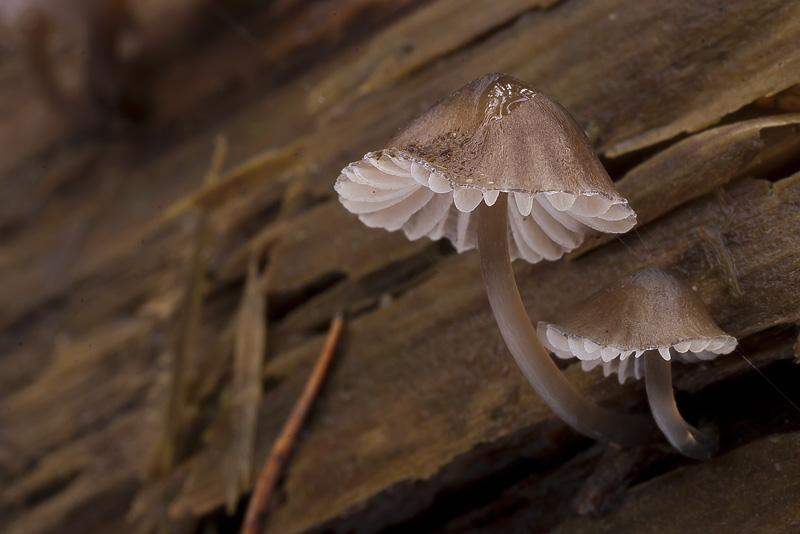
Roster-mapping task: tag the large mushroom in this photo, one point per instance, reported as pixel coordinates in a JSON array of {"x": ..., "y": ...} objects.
[
  {"x": 504, "y": 168},
  {"x": 649, "y": 318}
]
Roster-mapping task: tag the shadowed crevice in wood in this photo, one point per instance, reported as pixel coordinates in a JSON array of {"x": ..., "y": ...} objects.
[
  {"x": 538, "y": 456},
  {"x": 279, "y": 305},
  {"x": 365, "y": 294},
  {"x": 51, "y": 488},
  {"x": 469, "y": 480}
]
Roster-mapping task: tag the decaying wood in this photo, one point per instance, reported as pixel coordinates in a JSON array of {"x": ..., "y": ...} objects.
[
  {"x": 424, "y": 410},
  {"x": 427, "y": 349},
  {"x": 640, "y": 94},
  {"x": 722, "y": 489},
  {"x": 701, "y": 163},
  {"x": 612, "y": 474},
  {"x": 396, "y": 53}
]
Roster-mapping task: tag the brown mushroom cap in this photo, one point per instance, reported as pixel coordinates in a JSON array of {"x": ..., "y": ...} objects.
[
  {"x": 647, "y": 310},
  {"x": 496, "y": 134}
]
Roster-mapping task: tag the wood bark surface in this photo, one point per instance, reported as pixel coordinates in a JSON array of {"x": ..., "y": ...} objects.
[{"x": 425, "y": 423}]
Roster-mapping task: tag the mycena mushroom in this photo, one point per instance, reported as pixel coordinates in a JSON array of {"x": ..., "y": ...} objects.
[
  {"x": 636, "y": 327},
  {"x": 504, "y": 168}
]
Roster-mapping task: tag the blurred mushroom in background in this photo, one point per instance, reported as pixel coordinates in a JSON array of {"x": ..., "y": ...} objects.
[
  {"x": 95, "y": 59},
  {"x": 100, "y": 29}
]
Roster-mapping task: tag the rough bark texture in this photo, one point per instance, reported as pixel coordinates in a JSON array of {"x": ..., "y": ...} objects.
[{"x": 424, "y": 424}]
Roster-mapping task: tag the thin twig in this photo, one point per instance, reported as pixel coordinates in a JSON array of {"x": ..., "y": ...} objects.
[{"x": 278, "y": 456}]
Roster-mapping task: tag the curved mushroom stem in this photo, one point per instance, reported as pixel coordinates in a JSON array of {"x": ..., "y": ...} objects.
[
  {"x": 529, "y": 353},
  {"x": 687, "y": 439}
]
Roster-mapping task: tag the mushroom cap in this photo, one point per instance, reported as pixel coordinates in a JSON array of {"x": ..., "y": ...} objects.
[
  {"x": 647, "y": 310},
  {"x": 494, "y": 135}
]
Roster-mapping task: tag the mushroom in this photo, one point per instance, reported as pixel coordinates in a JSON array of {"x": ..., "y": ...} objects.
[
  {"x": 649, "y": 318},
  {"x": 443, "y": 175}
]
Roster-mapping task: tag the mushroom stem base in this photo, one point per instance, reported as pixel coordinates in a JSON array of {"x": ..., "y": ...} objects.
[
  {"x": 529, "y": 353},
  {"x": 687, "y": 439}
]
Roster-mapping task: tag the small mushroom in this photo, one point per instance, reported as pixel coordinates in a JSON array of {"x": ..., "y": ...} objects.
[
  {"x": 635, "y": 328},
  {"x": 501, "y": 167}
]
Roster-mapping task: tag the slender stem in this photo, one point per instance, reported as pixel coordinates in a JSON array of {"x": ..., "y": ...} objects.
[
  {"x": 687, "y": 439},
  {"x": 529, "y": 353}
]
